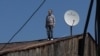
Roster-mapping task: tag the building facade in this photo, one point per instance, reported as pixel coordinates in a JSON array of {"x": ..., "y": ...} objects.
[{"x": 65, "y": 46}]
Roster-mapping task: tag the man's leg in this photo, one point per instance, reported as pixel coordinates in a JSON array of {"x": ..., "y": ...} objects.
[
  {"x": 51, "y": 32},
  {"x": 48, "y": 33}
]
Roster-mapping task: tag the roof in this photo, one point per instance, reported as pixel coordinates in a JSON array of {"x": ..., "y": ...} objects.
[{"x": 19, "y": 46}]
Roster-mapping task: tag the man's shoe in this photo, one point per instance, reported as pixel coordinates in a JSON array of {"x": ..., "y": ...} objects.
[
  {"x": 48, "y": 39},
  {"x": 52, "y": 39}
]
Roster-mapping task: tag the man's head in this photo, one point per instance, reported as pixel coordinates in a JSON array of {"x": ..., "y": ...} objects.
[{"x": 49, "y": 12}]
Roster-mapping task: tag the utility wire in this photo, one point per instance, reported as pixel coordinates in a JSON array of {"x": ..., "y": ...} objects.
[{"x": 23, "y": 25}]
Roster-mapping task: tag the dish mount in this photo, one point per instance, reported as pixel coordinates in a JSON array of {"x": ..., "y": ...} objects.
[{"x": 71, "y": 17}]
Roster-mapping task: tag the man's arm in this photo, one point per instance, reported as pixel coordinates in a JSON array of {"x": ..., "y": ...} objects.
[{"x": 53, "y": 20}]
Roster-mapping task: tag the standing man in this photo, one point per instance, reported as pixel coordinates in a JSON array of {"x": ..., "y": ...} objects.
[{"x": 50, "y": 23}]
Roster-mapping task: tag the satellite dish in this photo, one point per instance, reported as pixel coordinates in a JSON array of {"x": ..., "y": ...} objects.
[{"x": 71, "y": 17}]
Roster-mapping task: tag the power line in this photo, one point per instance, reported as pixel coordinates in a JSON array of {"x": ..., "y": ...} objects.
[{"x": 23, "y": 25}]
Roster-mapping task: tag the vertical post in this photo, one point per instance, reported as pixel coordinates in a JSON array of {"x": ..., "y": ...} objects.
[
  {"x": 71, "y": 30},
  {"x": 97, "y": 27}
]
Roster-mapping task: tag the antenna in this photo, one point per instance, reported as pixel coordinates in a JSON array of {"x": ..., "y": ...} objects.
[{"x": 71, "y": 17}]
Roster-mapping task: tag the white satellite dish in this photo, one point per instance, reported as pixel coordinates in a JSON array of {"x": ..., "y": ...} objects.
[{"x": 71, "y": 17}]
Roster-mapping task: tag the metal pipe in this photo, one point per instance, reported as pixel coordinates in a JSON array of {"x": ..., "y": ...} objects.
[
  {"x": 97, "y": 27},
  {"x": 86, "y": 25}
]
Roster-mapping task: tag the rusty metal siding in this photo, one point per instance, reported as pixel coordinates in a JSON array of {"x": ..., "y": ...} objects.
[
  {"x": 61, "y": 48},
  {"x": 90, "y": 48},
  {"x": 66, "y": 47}
]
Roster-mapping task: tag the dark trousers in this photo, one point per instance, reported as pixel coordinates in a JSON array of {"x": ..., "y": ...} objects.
[{"x": 50, "y": 31}]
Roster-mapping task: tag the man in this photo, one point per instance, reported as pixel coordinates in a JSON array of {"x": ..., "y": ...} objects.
[{"x": 50, "y": 23}]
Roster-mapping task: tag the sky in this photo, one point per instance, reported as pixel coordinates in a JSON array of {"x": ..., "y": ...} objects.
[{"x": 14, "y": 13}]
